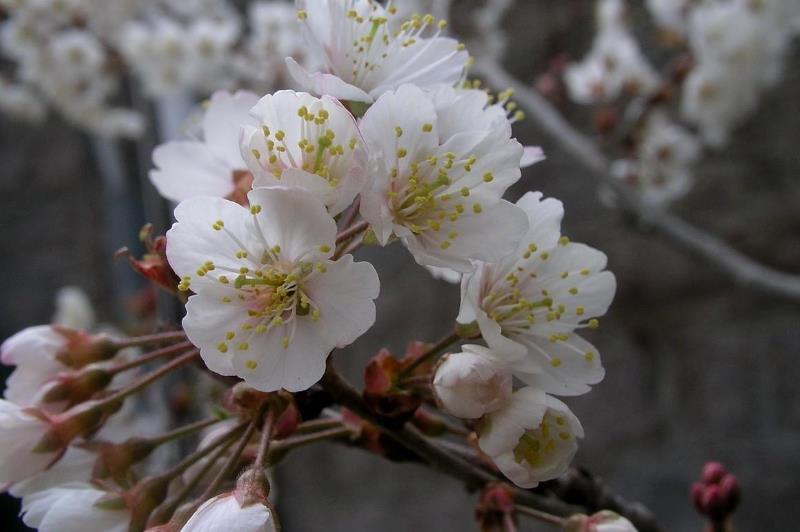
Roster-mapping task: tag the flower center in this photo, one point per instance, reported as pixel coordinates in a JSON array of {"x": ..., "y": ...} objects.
[
  {"x": 371, "y": 41},
  {"x": 317, "y": 150},
  {"x": 538, "y": 446},
  {"x": 427, "y": 198}
]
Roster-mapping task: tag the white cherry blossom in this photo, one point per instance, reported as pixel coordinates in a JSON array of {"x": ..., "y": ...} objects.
[
  {"x": 269, "y": 304},
  {"x": 613, "y": 65},
  {"x": 224, "y": 512},
  {"x": 71, "y": 507},
  {"x": 441, "y": 163},
  {"x": 309, "y": 143},
  {"x": 212, "y": 166},
  {"x": 34, "y": 351},
  {"x": 531, "y": 439},
  {"x": 473, "y": 382},
  {"x": 529, "y": 304},
  {"x": 663, "y": 170},
  {"x": 21, "y": 430},
  {"x": 366, "y": 57}
]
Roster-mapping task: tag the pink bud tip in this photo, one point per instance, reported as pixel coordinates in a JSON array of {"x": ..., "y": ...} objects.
[{"x": 713, "y": 473}]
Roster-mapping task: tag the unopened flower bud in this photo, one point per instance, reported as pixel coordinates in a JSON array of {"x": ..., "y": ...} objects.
[
  {"x": 730, "y": 492},
  {"x": 225, "y": 512},
  {"x": 495, "y": 507},
  {"x": 472, "y": 383},
  {"x": 712, "y": 473},
  {"x": 713, "y": 503},
  {"x": 43, "y": 352}
]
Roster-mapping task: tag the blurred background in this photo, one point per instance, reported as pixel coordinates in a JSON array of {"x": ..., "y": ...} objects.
[{"x": 697, "y": 368}]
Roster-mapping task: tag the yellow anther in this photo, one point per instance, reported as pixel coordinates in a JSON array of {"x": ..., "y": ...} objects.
[
  {"x": 398, "y": 131},
  {"x": 256, "y": 153},
  {"x": 255, "y": 209},
  {"x": 564, "y": 240},
  {"x": 488, "y": 177},
  {"x": 519, "y": 116},
  {"x": 445, "y": 244},
  {"x": 452, "y": 235},
  {"x": 321, "y": 268},
  {"x": 573, "y": 291},
  {"x": 251, "y": 364},
  {"x": 427, "y": 128},
  {"x": 302, "y": 14},
  {"x": 477, "y": 209},
  {"x": 588, "y": 356},
  {"x": 325, "y": 248},
  {"x": 285, "y": 342},
  {"x": 555, "y": 362},
  {"x": 442, "y": 24},
  {"x": 464, "y": 191},
  {"x": 218, "y": 225},
  {"x": 544, "y": 256},
  {"x": 230, "y": 335},
  {"x": 593, "y": 324},
  {"x": 585, "y": 272},
  {"x": 280, "y": 135},
  {"x": 401, "y": 152},
  {"x": 244, "y": 346},
  {"x": 579, "y": 311},
  {"x": 222, "y": 347}
]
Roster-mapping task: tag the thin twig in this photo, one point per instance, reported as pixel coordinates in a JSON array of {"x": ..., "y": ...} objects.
[
  {"x": 430, "y": 354},
  {"x": 541, "y": 516},
  {"x": 149, "y": 357},
  {"x": 166, "y": 336},
  {"x": 743, "y": 269}
]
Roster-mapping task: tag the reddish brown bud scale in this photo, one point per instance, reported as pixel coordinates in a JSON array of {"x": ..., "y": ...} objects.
[
  {"x": 82, "y": 348},
  {"x": 76, "y": 387},
  {"x": 495, "y": 507}
]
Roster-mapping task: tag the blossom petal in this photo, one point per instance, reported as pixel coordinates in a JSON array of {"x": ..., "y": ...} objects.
[
  {"x": 225, "y": 115},
  {"x": 344, "y": 295},
  {"x": 186, "y": 169},
  {"x": 320, "y": 83}
]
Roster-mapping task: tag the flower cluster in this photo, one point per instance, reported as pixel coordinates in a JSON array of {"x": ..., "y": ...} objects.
[
  {"x": 527, "y": 307},
  {"x": 74, "y": 56},
  {"x": 274, "y": 196},
  {"x": 737, "y": 49}
]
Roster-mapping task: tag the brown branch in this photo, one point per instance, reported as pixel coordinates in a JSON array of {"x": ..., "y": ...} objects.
[
  {"x": 434, "y": 455},
  {"x": 744, "y": 270}
]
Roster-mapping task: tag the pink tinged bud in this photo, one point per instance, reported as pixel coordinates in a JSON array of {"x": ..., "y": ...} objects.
[
  {"x": 472, "y": 383},
  {"x": 224, "y": 513},
  {"x": 730, "y": 492},
  {"x": 713, "y": 503},
  {"x": 21, "y": 430},
  {"x": 696, "y": 496},
  {"x": 712, "y": 473}
]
